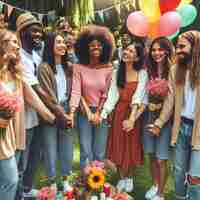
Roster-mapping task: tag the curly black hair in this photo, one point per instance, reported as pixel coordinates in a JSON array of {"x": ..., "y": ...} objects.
[{"x": 89, "y": 34}]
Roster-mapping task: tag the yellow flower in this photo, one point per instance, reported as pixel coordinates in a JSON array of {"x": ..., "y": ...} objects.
[{"x": 96, "y": 179}]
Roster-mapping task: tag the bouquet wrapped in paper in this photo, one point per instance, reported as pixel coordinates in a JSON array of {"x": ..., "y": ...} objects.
[{"x": 9, "y": 104}]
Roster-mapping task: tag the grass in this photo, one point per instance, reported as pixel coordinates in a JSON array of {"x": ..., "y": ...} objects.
[{"x": 142, "y": 180}]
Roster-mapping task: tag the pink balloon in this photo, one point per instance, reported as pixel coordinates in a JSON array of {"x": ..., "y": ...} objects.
[
  {"x": 137, "y": 24},
  {"x": 169, "y": 23}
]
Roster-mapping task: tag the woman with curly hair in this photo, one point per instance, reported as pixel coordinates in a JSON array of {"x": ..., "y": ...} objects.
[
  {"x": 158, "y": 146},
  {"x": 11, "y": 80},
  {"x": 94, "y": 49},
  {"x": 126, "y": 97}
]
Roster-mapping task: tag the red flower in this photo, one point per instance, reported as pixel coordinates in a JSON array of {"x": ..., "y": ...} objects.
[{"x": 158, "y": 87}]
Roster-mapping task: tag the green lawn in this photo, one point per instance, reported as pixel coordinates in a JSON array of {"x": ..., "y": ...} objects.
[{"x": 142, "y": 180}]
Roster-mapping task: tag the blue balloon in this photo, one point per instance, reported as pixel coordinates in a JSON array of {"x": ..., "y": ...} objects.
[{"x": 188, "y": 14}]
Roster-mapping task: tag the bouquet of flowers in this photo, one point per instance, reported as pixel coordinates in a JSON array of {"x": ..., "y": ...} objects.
[
  {"x": 158, "y": 89},
  {"x": 46, "y": 193},
  {"x": 9, "y": 104},
  {"x": 95, "y": 175}
]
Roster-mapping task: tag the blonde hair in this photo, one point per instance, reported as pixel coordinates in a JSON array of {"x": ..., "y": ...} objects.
[{"x": 5, "y": 36}]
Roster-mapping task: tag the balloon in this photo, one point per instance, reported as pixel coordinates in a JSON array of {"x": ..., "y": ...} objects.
[
  {"x": 153, "y": 30},
  {"x": 151, "y": 9},
  {"x": 184, "y": 2},
  {"x": 169, "y": 23},
  {"x": 137, "y": 24},
  {"x": 188, "y": 14},
  {"x": 171, "y": 37},
  {"x": 166, "y": 5}
]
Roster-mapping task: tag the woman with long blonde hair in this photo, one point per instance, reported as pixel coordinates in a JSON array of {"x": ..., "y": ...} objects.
[{"x": 11, "y": 80}]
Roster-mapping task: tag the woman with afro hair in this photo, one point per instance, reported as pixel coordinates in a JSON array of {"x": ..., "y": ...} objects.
[{"x": 91, "y": 79}]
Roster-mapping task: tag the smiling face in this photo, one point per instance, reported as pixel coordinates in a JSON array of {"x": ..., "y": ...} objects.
[
  {"x": 183, "y": 51},
  {"x": 129, "y": 54},
  {"x": 126, "y": 40},
  {"x": 35, "y": 34},
  {"x": 158, "y": 53},
  {"x": 12, "y": 48},
  {"x": 59, "y": 46},
  {"x": 95, "y": 49}
]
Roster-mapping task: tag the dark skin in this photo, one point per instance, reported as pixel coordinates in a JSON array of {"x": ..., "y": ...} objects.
[{"x": 30, "y": 36}]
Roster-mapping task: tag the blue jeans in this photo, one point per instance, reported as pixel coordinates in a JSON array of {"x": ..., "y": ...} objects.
[
  {"x": 93, "y": 140},
  {"x": 8, "y": 178},
  {"x": 58, "y": 145},
  {"x": 186, "y": 161},
  {"x": 28, "y": 159}
]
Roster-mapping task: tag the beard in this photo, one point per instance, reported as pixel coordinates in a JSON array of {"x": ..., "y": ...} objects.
[{"x": 184, "y": 60}]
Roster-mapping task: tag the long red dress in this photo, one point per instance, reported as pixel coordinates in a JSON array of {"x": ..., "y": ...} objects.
[{"x": 124, "y": 149}]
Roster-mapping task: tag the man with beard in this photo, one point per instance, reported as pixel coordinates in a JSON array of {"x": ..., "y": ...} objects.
[
  {"x": 29, "y": 30},
  {"x": 184, "y": 100}
]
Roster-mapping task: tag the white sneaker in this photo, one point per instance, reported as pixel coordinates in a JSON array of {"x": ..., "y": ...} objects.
[
  {"x": 151, "y": 192},
  {"x": 121, "y": 185},
  {"x": 129, "y": 185},
  {"x": 32, "y": 193},
  {"x": 53, "y": 186},
  {"x": 66, "y": 185},
  {"x": 156, "y": 197}
]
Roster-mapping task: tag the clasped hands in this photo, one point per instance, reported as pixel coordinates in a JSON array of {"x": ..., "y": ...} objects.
[
  {"x": 128, "y": 125},
  {"x": 94, "y": 118},
  {"x": 153, "y": 129},
  {"x": 63, "y": 120}
]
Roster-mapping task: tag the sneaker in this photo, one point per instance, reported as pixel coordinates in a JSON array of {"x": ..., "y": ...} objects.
[
  {"x": 32, "y": 193},
  {"x": 53, "y": 186},
  {"x": 121, "y": 185},
  {"x": 129, "y": 185},
  {"x": 156, "y": 197},
  {"x": 66, "y": 185},
  {"x": 151, "y": 192}
]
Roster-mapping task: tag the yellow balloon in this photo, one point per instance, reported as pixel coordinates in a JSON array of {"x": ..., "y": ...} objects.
[
  {"x": 151, "y": 9},
  {"x": 183, "y": 2}
]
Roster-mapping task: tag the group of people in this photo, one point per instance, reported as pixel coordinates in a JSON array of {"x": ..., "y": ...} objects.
[{"x": 66, "y": 81}]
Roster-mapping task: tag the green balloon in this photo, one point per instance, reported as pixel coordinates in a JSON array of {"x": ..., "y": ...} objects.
[
  {"x": 171, "y": 37},
  {"x": 188, "y": 14}
]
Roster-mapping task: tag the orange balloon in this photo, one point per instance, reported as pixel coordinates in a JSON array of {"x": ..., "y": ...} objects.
[{"x": 153, "y": 30}]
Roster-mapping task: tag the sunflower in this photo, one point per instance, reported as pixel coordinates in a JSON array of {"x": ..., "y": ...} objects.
[{"x": 96, "y": 179}]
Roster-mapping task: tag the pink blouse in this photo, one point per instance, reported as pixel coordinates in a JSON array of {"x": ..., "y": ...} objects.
[{"x": 92, "y": 84}]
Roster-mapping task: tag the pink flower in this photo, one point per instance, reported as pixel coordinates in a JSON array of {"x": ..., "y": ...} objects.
[
  {"x": 120, "y": 197},
  {"x": 87, "y": 169},
  {"x": 94, "y": 165},
  {"x": 97, "y": 163},
  {"x": 158, "y": 87},
  {"x": 46, "y": 193},
  {"x": 9, "y": 102}
]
